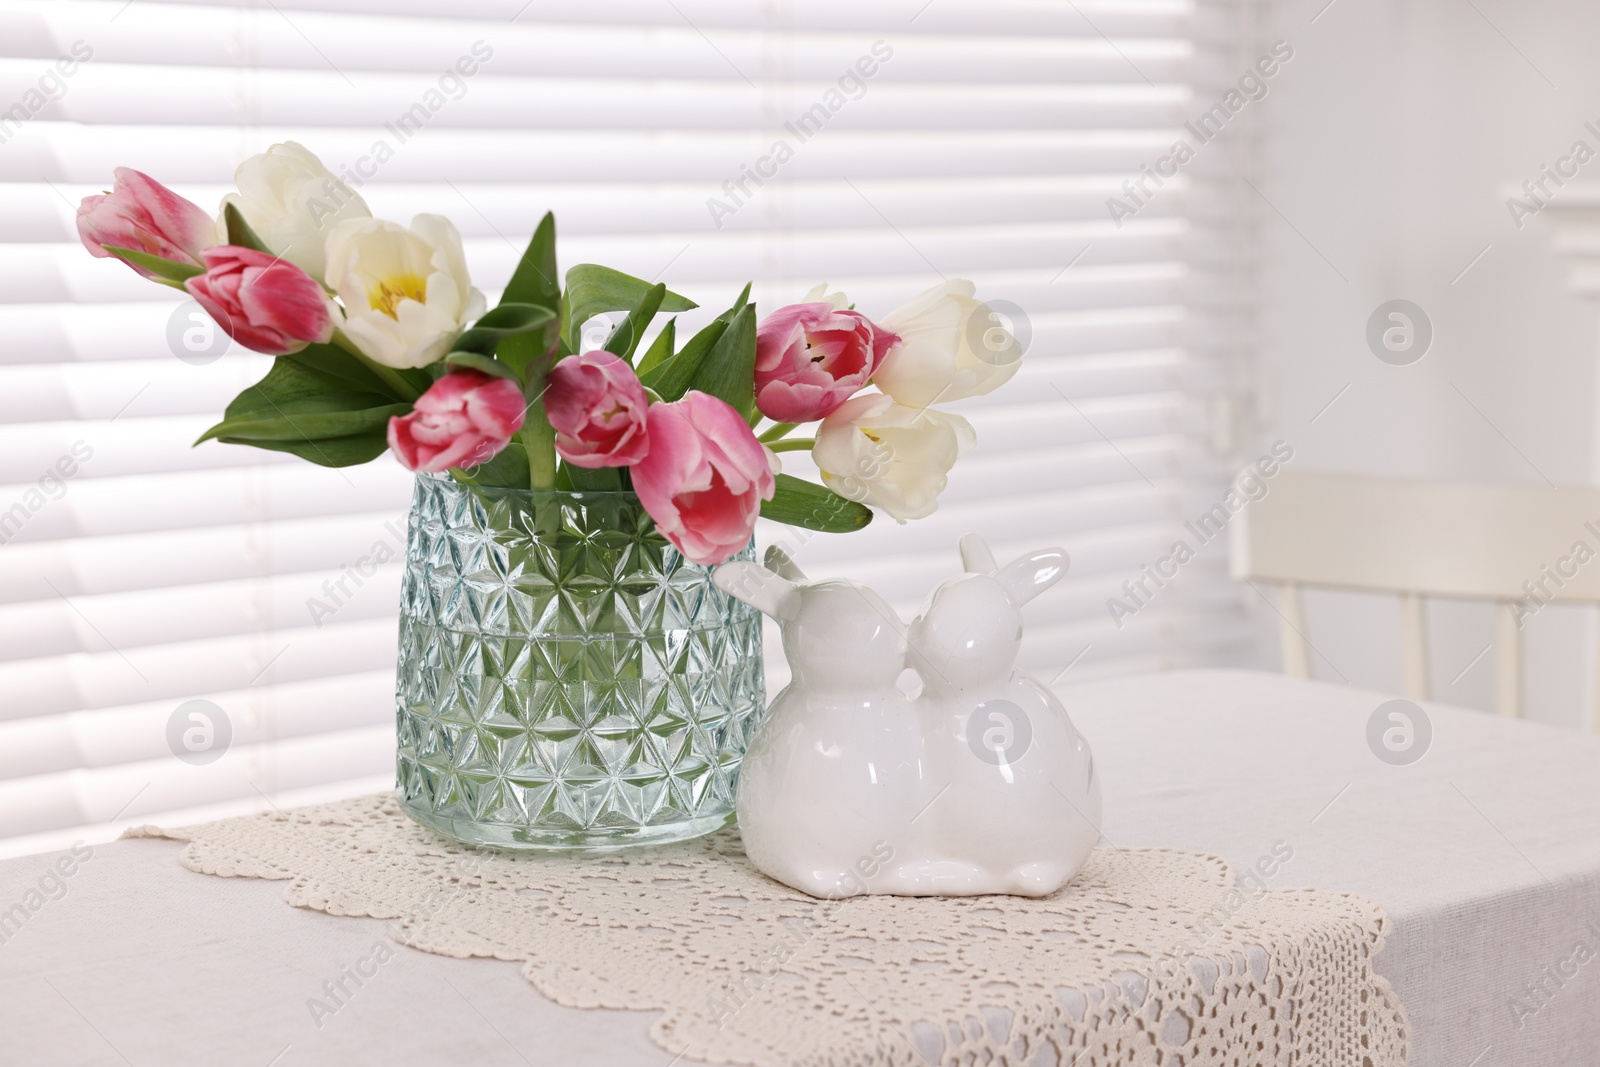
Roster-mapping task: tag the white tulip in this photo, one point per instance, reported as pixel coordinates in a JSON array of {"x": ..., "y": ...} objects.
[
  {"x": 406, "y": 292},
  {"x": 293, "y": 202},
  {"x": 819, "y": 295},
  {"x": 951, "y": 346},
  {"x": 875, "y": 451}
]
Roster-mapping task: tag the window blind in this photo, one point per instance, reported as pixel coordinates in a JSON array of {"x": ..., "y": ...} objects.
[{"x": 925, "y": 140}]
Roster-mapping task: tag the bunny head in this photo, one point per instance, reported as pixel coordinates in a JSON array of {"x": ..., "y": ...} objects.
[
  {"x": 837, "y": 635},
  {"x": 970, "y": 631}
]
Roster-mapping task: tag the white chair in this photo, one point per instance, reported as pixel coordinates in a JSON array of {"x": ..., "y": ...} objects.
[{"x": 1514, "y": 544}]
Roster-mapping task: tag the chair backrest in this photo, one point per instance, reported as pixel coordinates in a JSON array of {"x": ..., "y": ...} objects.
[{"x": 1521, "y": 546}]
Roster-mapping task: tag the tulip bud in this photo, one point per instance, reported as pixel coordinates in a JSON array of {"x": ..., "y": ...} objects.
[
  {"x": 143, "y": 215},
  {"x": 465, "y": 418},
  {"x": 950, "y": 347},
  {"x": 264, "y": 303},
  {"x": 704, "y": 477},
  {"x": 877, "y": 452},
  {"x": 597, "y": 407},
  {"x": 810, "y": 358}
]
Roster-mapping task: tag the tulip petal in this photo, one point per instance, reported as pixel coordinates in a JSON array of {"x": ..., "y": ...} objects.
[
  {"x": 143, "y": 215},
  {"x": 465, "y": 418},
  {"x": 597, "y": 407},
  {"x": 704, "y": 477},
  {"x": 812, "y": 357},
  {"x": 261, "y": 301}
]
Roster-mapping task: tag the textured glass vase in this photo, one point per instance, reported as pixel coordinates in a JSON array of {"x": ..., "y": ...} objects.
[{"x": 567, "y": 680}]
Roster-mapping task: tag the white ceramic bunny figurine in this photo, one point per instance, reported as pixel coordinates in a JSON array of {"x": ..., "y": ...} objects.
[
  {"x": 834, "y": 774},
  {"x": 977, "y": 785},
  {"x": 1023, "y": 809}
]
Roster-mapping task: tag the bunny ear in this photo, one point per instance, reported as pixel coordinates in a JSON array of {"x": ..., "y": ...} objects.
[
  {"x": 779, "y": 562},
  {"x": 975, "y": 555},
  {"x": 768, "y": 593},
  {"x": 1031, "y": 575}
]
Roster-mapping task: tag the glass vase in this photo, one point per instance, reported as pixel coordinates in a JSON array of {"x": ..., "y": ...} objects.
[{"x": 567, "y": 679}]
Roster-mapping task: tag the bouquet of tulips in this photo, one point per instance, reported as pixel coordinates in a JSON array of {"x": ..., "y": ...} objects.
[{"x": 381, "y": 341}]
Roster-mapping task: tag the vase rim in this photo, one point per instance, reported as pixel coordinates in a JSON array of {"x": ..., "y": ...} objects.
[{"x": 444, "y": 479}]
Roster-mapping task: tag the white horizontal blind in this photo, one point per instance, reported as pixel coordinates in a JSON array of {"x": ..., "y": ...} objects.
[{"x": 983, "y": 144}]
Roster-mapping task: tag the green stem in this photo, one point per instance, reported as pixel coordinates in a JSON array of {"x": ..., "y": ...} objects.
[
  {"x": 776, "y": 432},
  {"x": 794, "y": 444},
  {"x": 538, "y": 437},
  {"x": 404, "y": 389}
]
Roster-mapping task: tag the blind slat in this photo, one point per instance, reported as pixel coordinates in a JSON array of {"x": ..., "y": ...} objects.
[
  {"x": 36, "y": 212},
  {"x": 69, "y": 152},
  {"x": 82, "y": 566},
  {"x": 109, "y": 737}
]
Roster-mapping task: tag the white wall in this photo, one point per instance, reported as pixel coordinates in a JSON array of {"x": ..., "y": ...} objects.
[{"x": 1390, "y": 144}]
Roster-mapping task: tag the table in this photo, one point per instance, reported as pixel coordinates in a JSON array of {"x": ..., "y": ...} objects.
[{"x": 1485, "y": 854}]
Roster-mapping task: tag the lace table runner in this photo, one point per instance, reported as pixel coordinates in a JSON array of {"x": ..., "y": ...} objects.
[{"x": 1149, "y": 957}]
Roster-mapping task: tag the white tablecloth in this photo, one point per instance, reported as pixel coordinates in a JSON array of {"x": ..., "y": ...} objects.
[{"x": 1485, "y": 853}]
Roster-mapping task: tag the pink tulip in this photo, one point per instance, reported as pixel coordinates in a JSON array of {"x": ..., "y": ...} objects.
[
  {"x": 265, "y": 303},
  {"x": 704, "y": 477},
  {"x": 597, "y": 406},
  {"x": 142, "y": 214},
  {"x": 810, "y": 358},
  {"x": 464, "y": 418}
]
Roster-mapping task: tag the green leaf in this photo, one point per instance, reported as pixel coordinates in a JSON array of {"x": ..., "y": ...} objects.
[
  {"x": 309, "y": 419},
  {"x": 288, "y": 382},
  {"x": 671, "y": 377},
  {"x": 240, "y": 233},
  {"x": 508, "y": 469},
  {"x": 661, "y": 349},
  {"x": 593, "y": 290},
  {"x": 327, "y": 452},
  {"x": 744, "y": 298},
  {"x": 335, "y": 361},
  {"x": 624, "y": 340},
  {"x": 484, "y": 364},
  {"x": 507, "y": 320},
  {"x": 729, "y": 369},
  {"x": 600, "y": 479},
  {"x": 310, "y": 412},
  {"x": 535, "y": 280},
  {"x": 798, "y": 502},
  {"x": 161, "y": 268}
]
